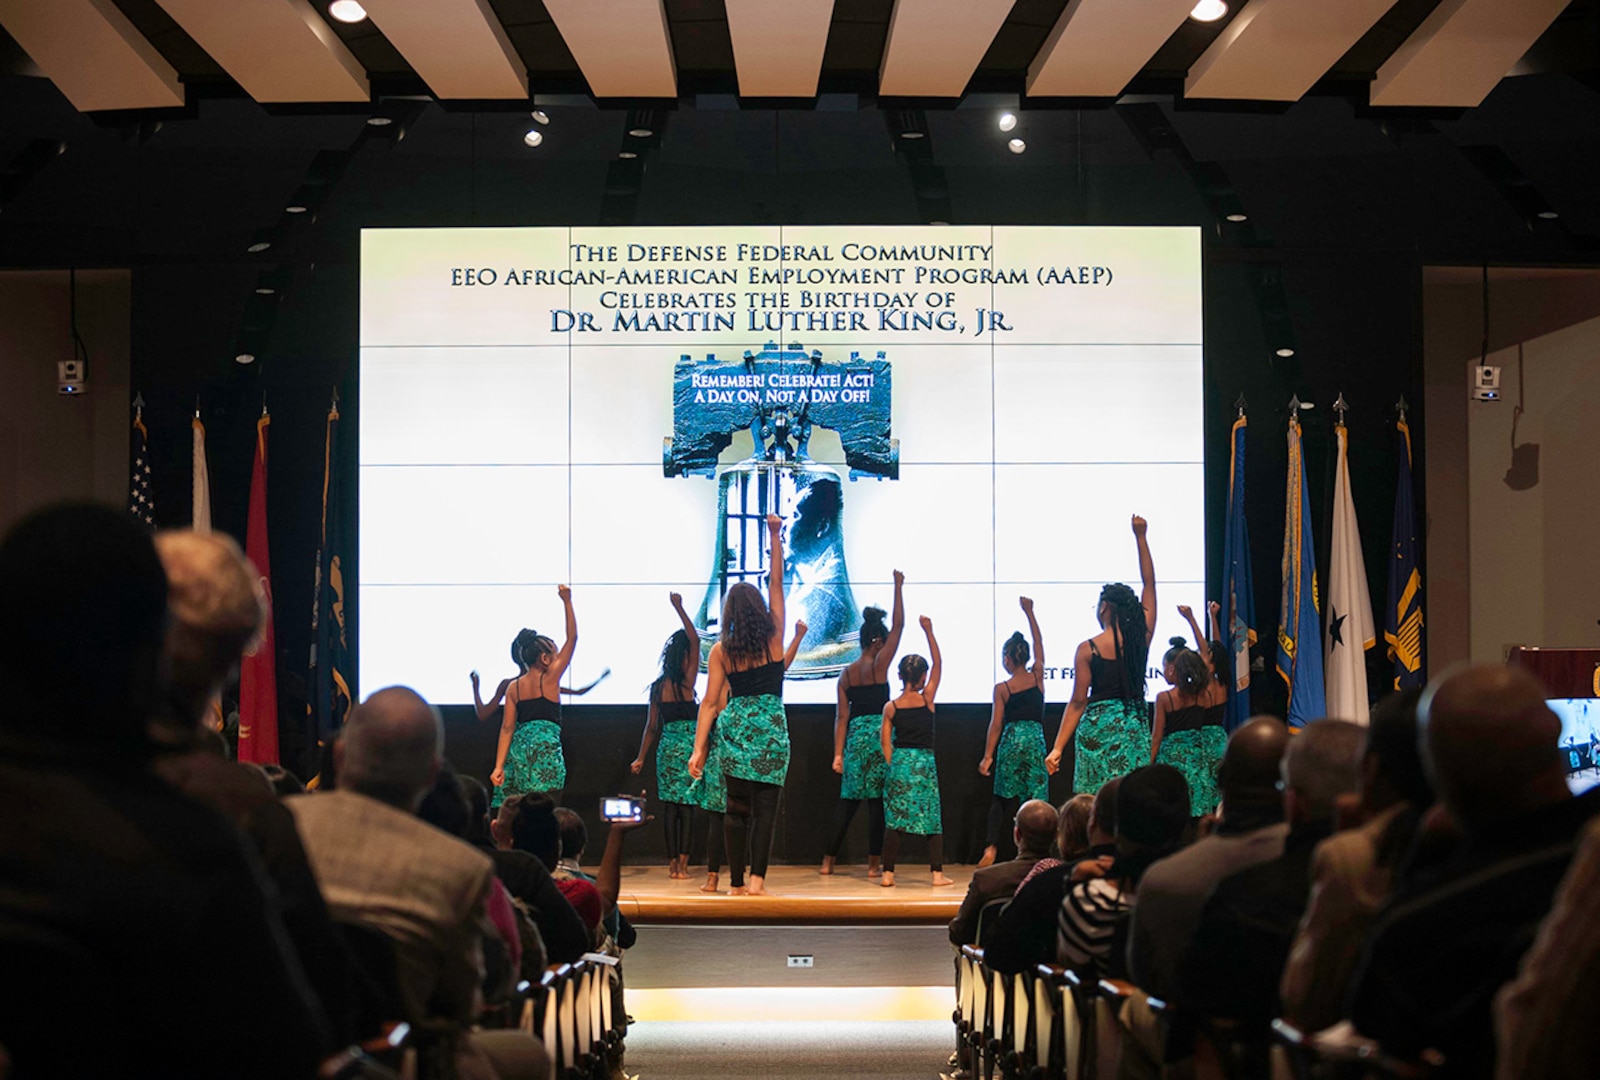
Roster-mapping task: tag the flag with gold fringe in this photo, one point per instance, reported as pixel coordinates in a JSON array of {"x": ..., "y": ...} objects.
[
  {"x": 330, "y": 657},
  {"x": 258, "y": 674},
  {"x": 141, "y": 492},
  {"x": 1238, "y": 594},
  {"x": 1349, "y": 620},
  {"x": 1402, "y": 618},
  {"x": 1299, "y": 620}
]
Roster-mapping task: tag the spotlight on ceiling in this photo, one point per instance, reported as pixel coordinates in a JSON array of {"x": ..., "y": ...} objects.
[
  {"x": 1016, "y": 146},
  {"x": 640, "y": 132},
  {"x": 380, "y": 121},
  {"x": 265, "y": 290},
  {"x": 347, "y": 11},
  {"x": 245, "y": 358},
  {"x": 913, "y": 134},
  {"x": 258, "y": 246},
  {"x": 1007, "y": 121},
  {"x": 627, "y": 155},
  {"x": 534, "y": 137},
  {"x": 294, "y": 208},
  {"x": 1209, "y": 10},
  {"x": 1236, "y": 218},
  {"x": 540, "y": 116},
  {"x": 1548, "y": 215},
  {"x": 1284, "y": 352}
]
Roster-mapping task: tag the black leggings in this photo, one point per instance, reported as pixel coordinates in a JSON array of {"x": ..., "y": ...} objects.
[
  {"x": 891, "y": 848},
  {"x": 752, "y": 807},
  {"x": 1002, "y": 813},
  {"x": 713, "y": 842},
  {"x": 675, "y": 820},
  {"x": 846, "y": 813}
]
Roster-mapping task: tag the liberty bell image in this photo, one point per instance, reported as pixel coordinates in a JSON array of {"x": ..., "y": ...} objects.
[{"x": 780, "y": 397}]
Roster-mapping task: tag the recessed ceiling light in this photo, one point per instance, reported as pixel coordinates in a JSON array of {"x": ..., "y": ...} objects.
[
  {"x": 1208, "y": 11},
  {"x": 640, "y": 133},
  {"x": 380, "y": 121},
  {"x": 245, "y": 358},
  {"x": 265, "y": 290},
  {"x": 1285, "y": 352},
  {"x": 1007, "y": 121},
  {"x": 1236, "y": 218},
  {"x": 295, "y": 209},
  {"x": 1016, "y": 146},
  {"x": 347, "y": 11},
  {"x": 534, "y": 137},
  {"x": 540, "y": 116},
  {"x": 627, "y": 155},
  {"x": 1548, "y": 215},
  {"x": 259, "y": 246},
  {"x": 911, "y": 134}
]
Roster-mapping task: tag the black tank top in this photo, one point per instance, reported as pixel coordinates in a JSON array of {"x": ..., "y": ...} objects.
[
  {"x": 867, "y": 700},
  {"x": 1216, "y": 715},
  {"x": 1026, "y": 704},
  {"x": 673, "y": 711},
  {"x": 1188, "y": 718},
  {"x": 539, "y": 708},
  {"x": 756, "y": 681},
  {"x": 913, "y": 728},
  {"x": 1106, "y": 681}
]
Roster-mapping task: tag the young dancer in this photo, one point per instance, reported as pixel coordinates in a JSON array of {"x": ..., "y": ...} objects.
[
  {"x": 911, "y": 790},
  {"x": 857, "y": 726},
  {"x": 1107, "y": 714},
  {"x": 528, "y": 757},
  {"x": 673, "y": 710},
  {"x": 1183, "y": 735},
  {"x": 752, "y": 729},
  {"x": 1016, "y": 735}
]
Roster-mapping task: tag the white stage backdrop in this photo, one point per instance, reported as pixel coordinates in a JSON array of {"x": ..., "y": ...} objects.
[{"x": 987, "y": 406}]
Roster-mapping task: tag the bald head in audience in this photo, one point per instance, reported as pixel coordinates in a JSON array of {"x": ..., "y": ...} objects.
[
  {"x": 217, "y": 611},
  {"x": 1491, "y": 744},
  {"x": 1035, "y": 828},
  {"x": 1249, "y": 773},
  {"x": 391, "y": 748}
]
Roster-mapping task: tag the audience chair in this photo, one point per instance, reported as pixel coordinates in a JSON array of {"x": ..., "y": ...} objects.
[{"x": 988, "y": 915}]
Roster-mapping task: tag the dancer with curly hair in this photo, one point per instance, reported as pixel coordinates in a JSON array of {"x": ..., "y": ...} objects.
[
  {"x": 1107, "y": 716},
  {"x": 1014, "y": 751},
  {"x": 857, "y": 748},
  {"x": 747, "y": 663},
  {"x": 911, "y": 789}
]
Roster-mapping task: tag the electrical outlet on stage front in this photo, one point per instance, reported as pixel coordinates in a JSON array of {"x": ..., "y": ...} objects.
[{"x": 801, "y": 961}]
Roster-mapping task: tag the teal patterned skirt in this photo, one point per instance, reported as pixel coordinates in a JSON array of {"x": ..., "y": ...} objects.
[
  {"x": 710, "y": 792},
  {"x": 911, "y": 793},
  {"x": 1112, "y": 740},
  {"x": 755, "y": 739},
  {"x": 864, "y": 767},
  {"x": 534, "y": 761},
  {"x": 1019, "y": 762},
  {"x": 672, "y": 761},
  {"x": 1196, "y": 753}
]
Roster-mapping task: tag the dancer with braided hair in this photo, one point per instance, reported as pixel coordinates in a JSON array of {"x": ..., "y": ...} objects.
[
  {"x": 1107, "y": 716},
  {"x": 528, "y": 757},
  {"x": 1014, "y": 751},
  {"x": 911, "y": 789},
  {"x": 672, "y": 715},
  {"x": 1183, "y": 734}
]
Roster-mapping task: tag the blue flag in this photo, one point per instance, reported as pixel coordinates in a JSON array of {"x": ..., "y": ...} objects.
[
  {"x": 1238, "y": 597},
  {"x": 1300, "y": 618},
  {"x": 330, "y": 696},
  {"x": 1402, "y": 620}
]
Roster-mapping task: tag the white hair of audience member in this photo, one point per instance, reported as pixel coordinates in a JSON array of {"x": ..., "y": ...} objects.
[
  {"x": 1322, "y": 763},
  {"x": 391, "y": 747}
]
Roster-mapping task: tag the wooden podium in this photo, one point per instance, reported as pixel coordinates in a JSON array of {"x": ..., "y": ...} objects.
[{"x": 1566, "y": 673}]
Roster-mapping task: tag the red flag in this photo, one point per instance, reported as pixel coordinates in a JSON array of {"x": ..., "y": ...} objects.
[{"x": 258, "y": 680}]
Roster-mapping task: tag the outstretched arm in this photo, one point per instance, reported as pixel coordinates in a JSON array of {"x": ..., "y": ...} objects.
[
  {"x": 1038, "y": 642},
  {"x": 564, "y": 656},
  {"x": 935, "y": 664},
  {"x": 1147, "y": 574},
  {"x": 688, "y": 626},
  {"x": 775, "y": 579},
  {"x": 793, "y": 650},
  {"x": 1074, "y": 710},
  {"x": 1202, "y": 646},
  {"x": 586, "y": 687},
  {"x": 897, "y": 625},
  {"x": 486, "y": 709}
]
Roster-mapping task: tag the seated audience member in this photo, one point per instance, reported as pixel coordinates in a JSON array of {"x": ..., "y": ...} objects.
[
  {"x": 1250, "y": 831},
  {"x": 1454, "y": 933},
  {"x": 1072, "y": 837},
  {"x": 1241, "y": 943},
  {"x": 138, "y": 936},
  {"x": 574, "y": 839},
  {"x": 1025, "y": 933},
  {"x": 383, "y": 868},
  {"x": 1545, "y": 1018},
  {"x": 1352, "y": 872},
  {"x": 1033, "y": 831},
  {"x": 536, "y": 831},
  {"x": 216, "y": 611},
  {"x": 1152, "y": 817},
  {"x": 565, "y": 936},
  {"x": 283, "y": 781},
  {"x": 477, "y": 834}
]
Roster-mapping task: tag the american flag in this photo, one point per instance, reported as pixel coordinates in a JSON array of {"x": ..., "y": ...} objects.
[{"x": 141, "y": 495}]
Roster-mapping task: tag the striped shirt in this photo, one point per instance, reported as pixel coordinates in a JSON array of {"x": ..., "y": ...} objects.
[{"x": 1090, "y": 914}]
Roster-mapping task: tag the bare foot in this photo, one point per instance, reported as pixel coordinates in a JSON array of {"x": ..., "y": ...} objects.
[
  {"x": 827, "y": 865},
  {"x": 739, "y": 890},
  {"x": 710, "y": 885},
  {"x": 988, "y": 857},
  {"x": 888, "y": 879},
  {"x": 940, "y": 879},
  {"x": 758, "y": 885},
  {"x": 874, "y": 867}
]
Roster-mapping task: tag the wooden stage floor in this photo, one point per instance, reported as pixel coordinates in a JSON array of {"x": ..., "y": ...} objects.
[{"x": 796, "y": 895}]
